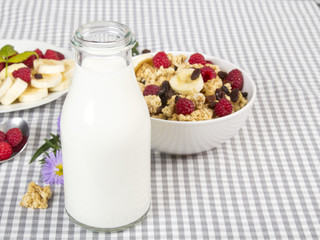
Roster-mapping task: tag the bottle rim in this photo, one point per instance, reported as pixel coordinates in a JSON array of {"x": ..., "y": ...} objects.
[{"x": 103, "y": 37}]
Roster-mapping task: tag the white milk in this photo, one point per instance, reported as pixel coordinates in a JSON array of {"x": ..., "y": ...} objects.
[{"x": 105, "y": 130}]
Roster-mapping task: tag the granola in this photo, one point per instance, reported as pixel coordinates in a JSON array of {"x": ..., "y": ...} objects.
[
  {"x": 36, "y": 197},
  {"x": 177, "y": 81},
  {"x": 153, "y": 103}
]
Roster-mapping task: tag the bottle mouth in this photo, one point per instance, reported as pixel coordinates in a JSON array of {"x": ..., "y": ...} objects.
[{"x": 103, "y": 37}]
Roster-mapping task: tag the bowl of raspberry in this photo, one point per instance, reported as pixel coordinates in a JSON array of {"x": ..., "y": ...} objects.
[
  {"x": 196, "y": 102},
  {"x": 14, "y": 134}
]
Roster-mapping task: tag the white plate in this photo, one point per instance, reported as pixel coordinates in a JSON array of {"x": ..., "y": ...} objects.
[{"x": 28, "y": 45}]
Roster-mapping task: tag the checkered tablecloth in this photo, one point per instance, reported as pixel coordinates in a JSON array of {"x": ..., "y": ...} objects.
[{"x": 264, "y": 183}]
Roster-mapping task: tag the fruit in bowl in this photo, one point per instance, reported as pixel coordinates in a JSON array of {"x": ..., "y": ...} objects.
[{"x": 196, "y": 102}]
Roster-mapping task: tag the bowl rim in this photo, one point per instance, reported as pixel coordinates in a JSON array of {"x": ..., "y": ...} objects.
[{"x": 233, "y": 115}]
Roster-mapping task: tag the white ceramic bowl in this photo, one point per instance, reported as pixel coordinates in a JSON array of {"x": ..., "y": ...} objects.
[{"x": 178, "y": 137}]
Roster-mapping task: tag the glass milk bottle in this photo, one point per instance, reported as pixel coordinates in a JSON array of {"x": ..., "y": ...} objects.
[{"x": 105, "y": 132}]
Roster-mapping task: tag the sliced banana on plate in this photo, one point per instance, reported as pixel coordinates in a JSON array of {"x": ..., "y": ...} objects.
[
  {"x": 183, "y": 84},
  {"x": 64, "y": 84},
  {"x": 48, "y": 66},
  {"x": 32, "y": 94},
  {"x": 47, "y": 81},
  {"x": 69, "y": 65},
  {"x": 141, "y": 59},
  {"x": 5, "y": 85},
  {"x": 17, "y": 88},
  {"x": 11, "y": 69},
  {"x": 47, "y": 75}
]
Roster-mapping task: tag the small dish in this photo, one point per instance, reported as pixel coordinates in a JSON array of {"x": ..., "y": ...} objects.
[{"x": 23, "y": 126}]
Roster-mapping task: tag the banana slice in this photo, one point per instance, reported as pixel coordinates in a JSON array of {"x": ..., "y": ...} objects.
[
  {"x": 64, "y": 84},
  {"x": 141, "y": 59},
  {"x": 6, "y": 84},
  {"x": 17, "y": 88},
  {"x": 32, "y": 94},
  {"x": 69, "y": 65},
  {"x": 183, "y": 84},
  {"x": 48, "y": 66},
  {"x": 11, "y": 69},
  {"x": 47, "y": 81}
]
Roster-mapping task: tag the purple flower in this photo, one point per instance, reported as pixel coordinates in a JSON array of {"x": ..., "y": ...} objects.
[
  {"x": 52, "y": 169},
  {"x": 58, "y": 123}
]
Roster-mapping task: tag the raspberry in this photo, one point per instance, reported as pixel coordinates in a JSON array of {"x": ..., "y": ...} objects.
[
  {"x": 20, "y": 145},
  {"x": 39, "y": 52},
  {"x": 207, "y": 73},
  {"x": 51, "y": 54},
  {"x": 29, "y": 61},
  {"x": 23, "y": 73},
  {"x": 151, "y": 90},
  {"x": 223, "y": 107},
  {"x": 61, "y": 56},
  {"x": 5, "y": 150},
  {"x": 209, "y": 62},
  {"x": 161, "y": 59},
  {"x": 235, "y": 78},
  {"x": 197, "y": 58},
  {"x": 2, "y": 65},
  {"x": 2, "y": 136},
  {"x": 14, "y": 136},
  {"x": 184, "y": 106}
]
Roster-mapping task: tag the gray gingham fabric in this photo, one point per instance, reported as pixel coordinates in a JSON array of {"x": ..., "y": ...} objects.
[{"x": 264, "y": 183}]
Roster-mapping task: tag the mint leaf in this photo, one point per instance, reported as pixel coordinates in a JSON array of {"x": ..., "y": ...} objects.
[
  {"x": 21, "y": 57},
  {"x": 135, "y": 50},
  {"x": 7, "y": 51}
]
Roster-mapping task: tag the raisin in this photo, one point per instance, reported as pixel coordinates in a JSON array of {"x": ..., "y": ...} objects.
[
  {"x": 222, "y": 75},
  {"x": 176, "y": 99},
  {"x": 38, "y": 76},
  {"x": 225, "y": 89},
  {"x": 169, "y": 93},
  {"x": 219, "y": 94},
  {"x": 211, "y": 101},
  {"x": 234, "y": 95},
  {"x": 163, "y": 100},
  {"x": 165, "y": 86},
  {"x": 146, "y": 51},
  {"x": 195, "y": 74},
  {"x": 159, "y": 110}
]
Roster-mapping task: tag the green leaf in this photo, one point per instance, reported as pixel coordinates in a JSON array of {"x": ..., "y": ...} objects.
[
  {"x": 42, "y": 161},
  {"x": 135, "y": 50},
  {"x": 58, "y": 145},
  {"x": 7, "y": 51},
  {"x": 52, "y": 144},
  {"x": 41, "y": 150},
  {"x": 2, "y": 60},
  {"x": 46, "y": 146},
  {"x": 21, "y": 57}
]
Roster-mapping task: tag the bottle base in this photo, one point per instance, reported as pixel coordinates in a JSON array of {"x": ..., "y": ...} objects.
[{"x": 116, "y": 229}]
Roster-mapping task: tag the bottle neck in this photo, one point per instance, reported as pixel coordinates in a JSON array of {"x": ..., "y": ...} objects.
[
  {"x": 103, "y": 40},
  {"x": 83, "y": 57}
]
